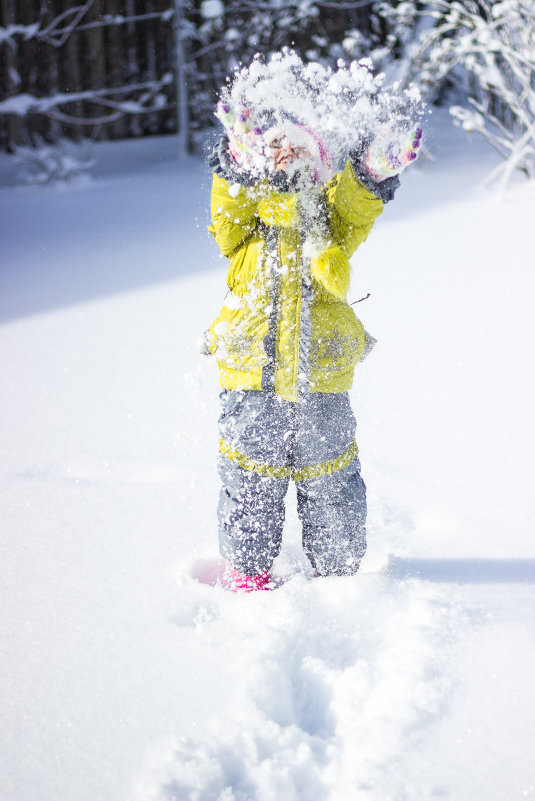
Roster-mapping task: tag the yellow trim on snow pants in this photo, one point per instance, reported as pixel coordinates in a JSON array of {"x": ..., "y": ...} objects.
[
  {"x": 299, "y": 474},
  {"x": 265, "y": 441}
]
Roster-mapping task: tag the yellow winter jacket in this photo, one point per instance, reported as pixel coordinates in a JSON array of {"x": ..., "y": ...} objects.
[{"x": 286, "y": 322}]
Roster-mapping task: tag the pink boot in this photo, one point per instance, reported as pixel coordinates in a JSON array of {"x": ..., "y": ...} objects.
[{"x": 243, "y": 583}]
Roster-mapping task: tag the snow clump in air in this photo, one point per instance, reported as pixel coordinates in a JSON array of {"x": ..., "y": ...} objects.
[{"x": 330, "y": 112}]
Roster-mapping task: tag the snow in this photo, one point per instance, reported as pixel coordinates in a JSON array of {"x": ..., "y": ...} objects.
[
  {"x": 126, "y": 672},
  {"x": 18, "y": 104},
  {"x": 26, "y": 31},
  {"x": 310, "y": 104},
  {"x": 22, "y": 103},
  {"x": 211, "y": 9}
]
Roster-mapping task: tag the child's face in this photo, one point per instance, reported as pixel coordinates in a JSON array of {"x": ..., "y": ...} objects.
[{"x": 284, "y": 153}]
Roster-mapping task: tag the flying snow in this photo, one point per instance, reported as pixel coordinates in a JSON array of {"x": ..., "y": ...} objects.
[{"x": 342, "y": 108}]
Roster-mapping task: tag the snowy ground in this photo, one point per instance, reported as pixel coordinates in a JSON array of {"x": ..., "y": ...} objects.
[{"x": 125, "y": 674}]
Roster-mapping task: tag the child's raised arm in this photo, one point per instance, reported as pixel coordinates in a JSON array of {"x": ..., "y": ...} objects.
[{"x": 233, "y": 214}]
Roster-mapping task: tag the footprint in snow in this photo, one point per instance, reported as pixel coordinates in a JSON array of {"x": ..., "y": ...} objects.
[{"x": 332, "y": 678}]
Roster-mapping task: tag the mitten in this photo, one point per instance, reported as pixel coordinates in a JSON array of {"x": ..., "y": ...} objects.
[{"x": 391, "y": 151}]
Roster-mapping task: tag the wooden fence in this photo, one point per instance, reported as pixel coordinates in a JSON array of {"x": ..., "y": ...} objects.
[
  {"x": 111, "y": 57},
  {"x": 109, "y": 69}
]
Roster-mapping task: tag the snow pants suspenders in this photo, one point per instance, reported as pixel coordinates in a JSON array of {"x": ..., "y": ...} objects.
[{"x": 264, "y": 442}]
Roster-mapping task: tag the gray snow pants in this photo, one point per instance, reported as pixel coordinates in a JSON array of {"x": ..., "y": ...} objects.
[{"x": 265, "y": 441}]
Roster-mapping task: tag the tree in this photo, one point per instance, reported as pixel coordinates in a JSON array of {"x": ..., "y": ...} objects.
[{"x": 487, "y": 50}]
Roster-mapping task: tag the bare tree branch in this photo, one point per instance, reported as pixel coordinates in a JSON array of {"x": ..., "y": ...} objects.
[{"x": 79, "y": 12}]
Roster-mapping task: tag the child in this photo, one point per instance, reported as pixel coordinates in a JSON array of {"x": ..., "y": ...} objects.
[{"x": 287, "y": 341}]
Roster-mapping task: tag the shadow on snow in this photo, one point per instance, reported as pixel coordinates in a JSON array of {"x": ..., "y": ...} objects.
[{"x": 465, "y": 571}]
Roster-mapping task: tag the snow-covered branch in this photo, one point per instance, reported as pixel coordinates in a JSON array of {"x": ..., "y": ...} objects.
[
  {"x": 56, "y": 36},
  {"x": 58, "y": 30},
  {"x": 488, "y": 48},
  {"x": 150, "y": 100},
  {"x": 8, "y": 35},
  {"x": 117, "y": 20}
]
